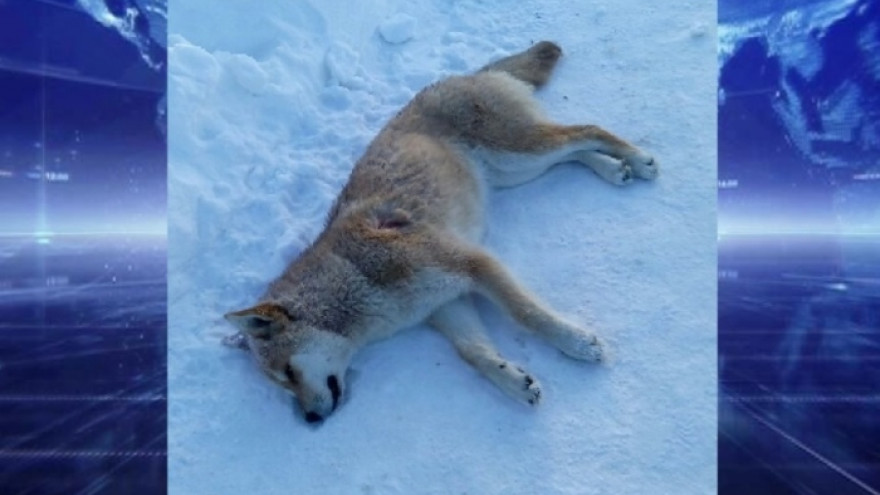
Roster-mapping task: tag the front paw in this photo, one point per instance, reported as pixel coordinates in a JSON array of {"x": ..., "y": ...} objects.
[
  {"x": 583, "y": 345},
  {"x": 531, "y": 390},
  {"x": 517, "y": 383}
]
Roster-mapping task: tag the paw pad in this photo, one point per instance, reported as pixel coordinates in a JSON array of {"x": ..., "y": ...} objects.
[{"x": 533, "y": 392}]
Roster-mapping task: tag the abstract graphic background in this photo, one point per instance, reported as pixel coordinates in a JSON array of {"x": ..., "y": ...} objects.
[
  {"x": 82, "y": 247},
  {"x": 799, "y": 251}
]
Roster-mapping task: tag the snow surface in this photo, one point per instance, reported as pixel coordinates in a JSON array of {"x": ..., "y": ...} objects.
[
  {"x": 398, "y": 28},
  {"x": 271, "y": 103}
]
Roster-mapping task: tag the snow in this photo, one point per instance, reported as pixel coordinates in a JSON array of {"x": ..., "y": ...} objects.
[
  {"x": 270, "y": 105},
  {"x": 398, "y": 28}
]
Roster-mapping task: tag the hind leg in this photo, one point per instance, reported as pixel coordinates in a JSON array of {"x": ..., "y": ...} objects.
[
  {"x": 527, "y": 150},
  {"x": 459, "y": 322},
  {"x": 533, "y": 66},
  {"x": 614, "y": 170},
  {"x": 495, "y": 115}
]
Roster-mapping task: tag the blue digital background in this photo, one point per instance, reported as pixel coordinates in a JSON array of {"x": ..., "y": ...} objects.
[
  {"x": 82, "y": 247},
  {"x": 799, "y": 251}
]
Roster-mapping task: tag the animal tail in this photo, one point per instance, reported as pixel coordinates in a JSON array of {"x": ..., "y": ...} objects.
[{"x": 533, "y": 66}]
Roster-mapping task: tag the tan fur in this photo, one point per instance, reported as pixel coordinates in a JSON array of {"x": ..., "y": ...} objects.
[{"x": 401, "y": 241}]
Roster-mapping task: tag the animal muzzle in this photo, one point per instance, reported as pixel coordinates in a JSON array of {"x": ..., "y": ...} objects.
[
  {"x": 313, "y": 417},
  {"x": 335, "y": 394}
]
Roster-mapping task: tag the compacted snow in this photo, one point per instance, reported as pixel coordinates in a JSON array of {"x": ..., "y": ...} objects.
[{"x": 270, "y": 105}]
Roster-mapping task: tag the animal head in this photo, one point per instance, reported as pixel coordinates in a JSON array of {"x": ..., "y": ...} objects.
[{"x": 308, "y": 361}]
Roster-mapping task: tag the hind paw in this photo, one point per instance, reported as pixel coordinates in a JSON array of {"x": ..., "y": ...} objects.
[
  {"x": 622, "y": 176},
  {"x": 644, "y": 166}
]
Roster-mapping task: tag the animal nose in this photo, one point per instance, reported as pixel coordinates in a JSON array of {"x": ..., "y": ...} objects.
[{"x": 313, "y": 417}]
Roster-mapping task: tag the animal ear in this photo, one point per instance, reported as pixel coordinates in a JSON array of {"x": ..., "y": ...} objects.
[{"x": 260, "y": 321}]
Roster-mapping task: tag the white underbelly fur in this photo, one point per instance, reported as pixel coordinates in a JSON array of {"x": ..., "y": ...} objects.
[{"x": 403, "y": 307}]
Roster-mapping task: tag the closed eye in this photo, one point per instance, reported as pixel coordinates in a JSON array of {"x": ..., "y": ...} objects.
[
  {"x": 335, "y": 392},
  {"x": 291, "y": 376}
]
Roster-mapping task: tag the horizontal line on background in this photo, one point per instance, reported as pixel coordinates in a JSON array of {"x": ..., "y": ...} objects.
[
  {"x": 67, "y": 454},
  {"x": 84, "y": 326},
  {"x": 72, "y": 290},
  {"x": 790, "y": 233},
  {"x": 18, "y": 235},
  {"x": 849, "y": 398},
  {"x": 730, "y": 341},
  {"x": 81, "y": 398},
  {"x": 845, "y": 357},
  {"x": 803, "y": 466},
  {"x": 74, "y": 75},
  {"x": 70, "y": 356}
]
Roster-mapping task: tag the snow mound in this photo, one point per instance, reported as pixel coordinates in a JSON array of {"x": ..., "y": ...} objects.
[{"x": 399, "y": 28}]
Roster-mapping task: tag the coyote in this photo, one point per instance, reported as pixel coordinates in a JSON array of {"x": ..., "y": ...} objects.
[{"x": 400, "y": 245}]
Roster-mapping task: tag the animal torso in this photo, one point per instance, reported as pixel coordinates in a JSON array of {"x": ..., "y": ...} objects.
[{"x": 423, "y": 165}]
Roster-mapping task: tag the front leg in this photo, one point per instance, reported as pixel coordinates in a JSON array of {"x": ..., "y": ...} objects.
[
  {"x": 459, "y": 322},
  {"x": 493, "y": 280}
]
